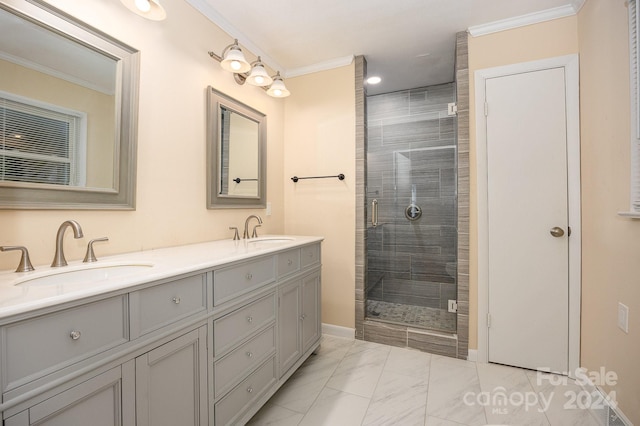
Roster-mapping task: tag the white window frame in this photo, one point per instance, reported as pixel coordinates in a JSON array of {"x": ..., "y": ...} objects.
[
  {"x": 634, "y": 77},
  {"x": 77, "y": 144}
]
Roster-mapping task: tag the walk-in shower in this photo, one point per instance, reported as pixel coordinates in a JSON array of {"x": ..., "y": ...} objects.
[{"x": 411, "y": 196}]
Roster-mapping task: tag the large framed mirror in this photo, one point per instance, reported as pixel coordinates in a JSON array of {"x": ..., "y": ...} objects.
[
  {"x": 68, "y": 112},
  {"x": 236, "y": 153}
]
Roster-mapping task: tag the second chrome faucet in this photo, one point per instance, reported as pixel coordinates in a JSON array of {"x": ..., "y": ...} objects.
[{"x": 246, "y": 227}]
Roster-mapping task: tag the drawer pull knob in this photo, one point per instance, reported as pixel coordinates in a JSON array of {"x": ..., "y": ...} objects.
[
  {"x": 289, "y": 262},
  {"x": 249, "y": 389},
  {"x": 249, "y": 319},
  {"x": 75, "y": 335},
  {"x": 302, "y": 317},
  {"x": 176, "y": 300},
  {"x": 249, "y": 354},
  {"x": 249, "y": 276}
]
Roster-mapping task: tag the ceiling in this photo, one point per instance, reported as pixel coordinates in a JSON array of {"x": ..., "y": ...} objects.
[{"x": 409, "y": 43}]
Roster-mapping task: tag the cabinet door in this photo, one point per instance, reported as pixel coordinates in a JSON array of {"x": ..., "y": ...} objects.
[
  {"x": 171, "y": 382},
  {"x": 310, "y": 311},
  {"x": 289, "y": 312},
  {"x": 96, "y": 402}
]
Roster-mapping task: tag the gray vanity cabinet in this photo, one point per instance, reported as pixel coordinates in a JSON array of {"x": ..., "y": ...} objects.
[
  {"x": 204, "y": 348},
  {"x": 298, "y": 319},
  {"x": 311, "y": 324},
  {"x": 97, "y": 401},
  {"x": 171, "y": 382},
  {"x": 289, "y": 323}
]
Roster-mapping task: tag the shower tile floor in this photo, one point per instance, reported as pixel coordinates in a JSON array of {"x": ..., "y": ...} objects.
[
  {"x": 416, "y": 316},
  {"x": 356, "y": 383}
]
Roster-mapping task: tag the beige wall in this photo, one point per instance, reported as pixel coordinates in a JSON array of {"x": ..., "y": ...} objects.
[
  {"x": 553, "y": 38},
  {"x": 320, "y": 141},
  {"x": 171, "y": 197},
  {"x": 610, "y": 243}
]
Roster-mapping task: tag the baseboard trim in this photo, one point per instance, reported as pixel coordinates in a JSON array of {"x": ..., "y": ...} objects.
[
  {"x": 339, "y": 331},
  {"x": 612, "y": 416},
  {"x": 472, "y": 355}
]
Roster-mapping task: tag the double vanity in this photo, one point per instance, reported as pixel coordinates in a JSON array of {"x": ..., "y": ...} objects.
[{"x": 201, "y": 334}]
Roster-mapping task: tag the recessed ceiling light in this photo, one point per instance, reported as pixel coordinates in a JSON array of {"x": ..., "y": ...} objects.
[{"x": 374, "y": 80}]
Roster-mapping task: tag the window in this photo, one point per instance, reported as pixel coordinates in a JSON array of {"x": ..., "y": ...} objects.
[
  {"x": 41, "y": 143},
  {"x": 635, "y": 108}
]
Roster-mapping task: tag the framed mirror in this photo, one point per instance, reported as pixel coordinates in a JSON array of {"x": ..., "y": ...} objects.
[
  {"x": 236, "y": 153},
  {"x": 68, "y": 112}
]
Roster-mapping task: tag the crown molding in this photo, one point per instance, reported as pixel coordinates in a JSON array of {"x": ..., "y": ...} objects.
[
  {"x": 207, "y": 10},
  {"x": 320, "y": 66},
  {"x": 577, "y": 4},
  {"x": 529, "y": 19}
]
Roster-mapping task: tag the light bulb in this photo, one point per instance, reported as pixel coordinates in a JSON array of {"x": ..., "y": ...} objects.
[
  {"x": 143, "y": 5},
  {"x": 236, "y": 65},
  {"x": 277, "y": 92},
  {"x": 259, "y": 79}
]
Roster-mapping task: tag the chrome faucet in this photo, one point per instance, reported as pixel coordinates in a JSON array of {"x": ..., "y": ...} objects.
[
  {"x": 246, "y": 227},
  {"x": 58, "y": 259}
]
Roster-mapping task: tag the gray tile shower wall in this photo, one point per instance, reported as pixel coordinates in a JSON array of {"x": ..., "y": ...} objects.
[{"x": 412, "y": 158}]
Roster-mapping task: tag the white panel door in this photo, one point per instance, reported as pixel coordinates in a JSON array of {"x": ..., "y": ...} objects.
[{"x": 527, "y": 198}]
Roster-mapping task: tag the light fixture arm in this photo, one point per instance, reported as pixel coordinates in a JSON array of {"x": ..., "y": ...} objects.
[{"x": 224, "y": 51}]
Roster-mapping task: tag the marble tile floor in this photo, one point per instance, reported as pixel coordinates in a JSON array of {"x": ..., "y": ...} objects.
[{"x": 352, "y": 382}]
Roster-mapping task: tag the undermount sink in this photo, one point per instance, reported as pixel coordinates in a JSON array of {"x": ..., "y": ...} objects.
[
  {"x": 83, "y": 273},
  {"x": 270, "y": 240}
]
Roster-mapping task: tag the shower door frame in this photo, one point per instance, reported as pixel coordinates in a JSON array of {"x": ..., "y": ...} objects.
[{"x": 448, "y": 344}]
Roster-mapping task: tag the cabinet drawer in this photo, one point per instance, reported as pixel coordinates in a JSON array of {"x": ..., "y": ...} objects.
[
  {"x": 38, "y": 346},
  {"x": 236, "y": 326},
  {"x": 242, "y": 360},
  {"x": 288, "y": 262},
  {"x": 155, "y": 307},
  {"x": 310, "y": 255},
  {"x": 243, "y": 395},
  {"x": 236, "y": 280}
]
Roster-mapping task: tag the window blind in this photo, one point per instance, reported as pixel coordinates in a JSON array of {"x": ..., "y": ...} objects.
[{"x": 37, "y": 144}]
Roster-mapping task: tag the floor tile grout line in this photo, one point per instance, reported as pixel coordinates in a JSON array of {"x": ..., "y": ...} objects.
[
  {"x": 325, "y": 384},
  {"x": 475, "y": 367},
  {"x": 426, "y": 402},
  {"x": 546, "y": 416}
]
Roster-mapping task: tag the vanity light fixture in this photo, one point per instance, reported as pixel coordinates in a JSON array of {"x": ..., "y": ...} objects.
[
  {"x": 150, "y": 9},
  {"x": 258, "y": 75},
  {"x": 277, "y": 88},
  {"x": 233, "y": 59},
  {"x": 254, "y": 73}
]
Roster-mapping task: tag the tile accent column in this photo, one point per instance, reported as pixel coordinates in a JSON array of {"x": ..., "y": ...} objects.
[
  {"x": 361, "y": 182},
  {"x": 462, "y": 89}
]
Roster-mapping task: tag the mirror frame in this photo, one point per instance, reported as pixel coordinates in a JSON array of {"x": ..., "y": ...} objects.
[
  {"x": 122, "y": 195},
  {"x": 215, "y": 101}
]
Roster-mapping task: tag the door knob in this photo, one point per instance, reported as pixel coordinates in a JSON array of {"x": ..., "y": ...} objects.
[{"x": 556, "y": 231}]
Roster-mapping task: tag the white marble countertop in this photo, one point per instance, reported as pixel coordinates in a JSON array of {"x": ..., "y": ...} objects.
[{"x": 20, "y": 292}]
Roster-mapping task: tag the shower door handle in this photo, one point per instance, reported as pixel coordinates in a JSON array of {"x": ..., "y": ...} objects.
[{"x": 374, "y": 213}]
